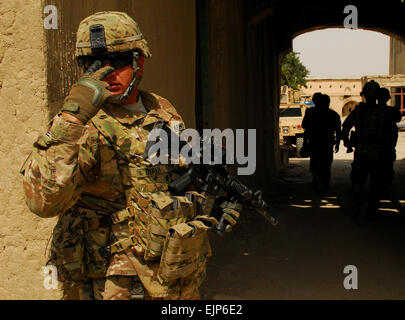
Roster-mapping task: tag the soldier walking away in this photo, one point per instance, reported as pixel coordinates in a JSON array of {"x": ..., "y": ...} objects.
[
  {"x": 322, "y": 137},
  {"x": 113, "y": 205},
  {"x": 393, "y": 116},
  {"x": 373, "y": 140}
]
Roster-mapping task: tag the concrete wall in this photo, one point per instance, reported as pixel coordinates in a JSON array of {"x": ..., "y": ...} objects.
[
  {"x": 23, "y": 116},
  {"x": 244, "y": 73},
  {"x": 228, "y": 63}
]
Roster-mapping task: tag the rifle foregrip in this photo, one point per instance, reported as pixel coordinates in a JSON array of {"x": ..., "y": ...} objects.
[
  {"x": 219, "y": 229},
  {"x": 180, "y": 184}
]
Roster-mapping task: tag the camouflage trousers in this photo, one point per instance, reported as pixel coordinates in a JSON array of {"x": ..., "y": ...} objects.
[
  {"x": 110, "y": 288},
  {"x": 137, "y": 288},
  {"x": 91, "y": 290},
  {"x": 128, "y": 288}
]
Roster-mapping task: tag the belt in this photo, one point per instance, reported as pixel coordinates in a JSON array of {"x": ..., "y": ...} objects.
[
  {"x": 94, "y": 224},
  {"x": 120, "y": 246}
]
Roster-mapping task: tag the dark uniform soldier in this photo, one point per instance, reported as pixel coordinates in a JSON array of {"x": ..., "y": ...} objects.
[
  {"x": 115, "y": 211},
  {"x": 322, "y": 134},
  {"x": 393, "y": 116},
  {"x": 373, "y": 155}
]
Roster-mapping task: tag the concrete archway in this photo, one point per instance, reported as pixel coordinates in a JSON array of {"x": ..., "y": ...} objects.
[
  {"x": 263, "y": 38},
  {"x": 264, "y": 33},
  {"x": 348, "y": 107}
]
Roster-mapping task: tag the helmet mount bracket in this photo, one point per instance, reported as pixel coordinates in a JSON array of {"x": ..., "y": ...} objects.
[{"x": 97, "y": 39}]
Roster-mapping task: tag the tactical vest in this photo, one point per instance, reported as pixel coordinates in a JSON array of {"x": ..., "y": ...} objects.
[
  {"x": 156, "y": 225},
  {"x": 154, "y": 218},
  {"x": 150, "y": 209}
]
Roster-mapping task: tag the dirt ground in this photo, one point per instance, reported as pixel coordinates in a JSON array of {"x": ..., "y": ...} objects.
[{"x": 305, "y": 255}]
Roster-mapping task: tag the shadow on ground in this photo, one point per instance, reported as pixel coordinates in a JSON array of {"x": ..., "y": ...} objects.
[{"x": 304, "y": 257}]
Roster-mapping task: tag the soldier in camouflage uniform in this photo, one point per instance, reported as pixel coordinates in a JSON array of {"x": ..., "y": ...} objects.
[
  {"x": 373, "y": 150},
  {"x": 121, "y": 234}
]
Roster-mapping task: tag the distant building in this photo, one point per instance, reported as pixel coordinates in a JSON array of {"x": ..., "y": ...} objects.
[
  {"x": 397, "y": 69},
  {"x": 344, "y": 93},
  {"x": 397, "y": 56}
]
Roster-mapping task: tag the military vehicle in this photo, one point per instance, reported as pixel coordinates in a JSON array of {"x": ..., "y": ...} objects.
[
  {"x": 291, "y": 132},
  {"x": 291, "y": 115}
]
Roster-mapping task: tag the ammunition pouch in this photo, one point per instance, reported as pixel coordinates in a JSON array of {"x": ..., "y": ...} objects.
[
  {"x": 149, "y": 221},
  {"x": 186, "y": 248},
  {"x": 160, "y": 221}
]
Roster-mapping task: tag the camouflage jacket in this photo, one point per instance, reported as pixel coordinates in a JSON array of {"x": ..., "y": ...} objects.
[{"x": 75, "y": 171}]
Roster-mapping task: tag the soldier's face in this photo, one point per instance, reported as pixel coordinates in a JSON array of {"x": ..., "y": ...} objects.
[{"x": 121, "y": 78}]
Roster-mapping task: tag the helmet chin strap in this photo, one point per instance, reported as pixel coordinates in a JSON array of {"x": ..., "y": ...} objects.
[{"x": 134, "y": 83}]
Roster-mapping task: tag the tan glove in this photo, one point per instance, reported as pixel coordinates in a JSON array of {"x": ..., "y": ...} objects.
[
  {"x": 231, "y": 213},
  {"x": 88, "y": 95}
]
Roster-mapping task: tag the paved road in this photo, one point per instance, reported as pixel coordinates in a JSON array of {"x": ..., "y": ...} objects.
[{"x": 304, "y": 257}]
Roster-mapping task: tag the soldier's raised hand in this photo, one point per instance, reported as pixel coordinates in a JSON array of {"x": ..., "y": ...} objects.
[{"x": 89, "y": 94}]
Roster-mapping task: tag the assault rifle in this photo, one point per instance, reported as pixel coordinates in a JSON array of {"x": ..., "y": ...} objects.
[{"x": 211, "y": 179}]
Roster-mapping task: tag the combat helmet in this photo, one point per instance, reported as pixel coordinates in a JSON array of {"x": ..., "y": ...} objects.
[
  {"x": 383, "y": 95},
  {"x": 108, "y": 34},
  {"x": 370, "y": 90},
  {"x": 121, "y": 33}
]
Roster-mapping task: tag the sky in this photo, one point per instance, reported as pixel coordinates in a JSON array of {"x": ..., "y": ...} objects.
[{"x": 343, "y": 52}]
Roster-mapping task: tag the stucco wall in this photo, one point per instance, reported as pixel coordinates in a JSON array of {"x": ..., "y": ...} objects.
[{"x": 23, "y": 116}]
